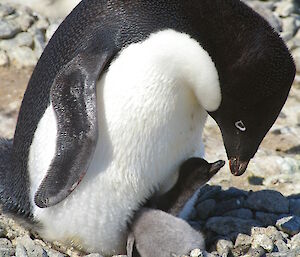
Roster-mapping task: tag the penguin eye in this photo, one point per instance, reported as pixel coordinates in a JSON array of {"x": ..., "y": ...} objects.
[{"x": 240, "y": 125}]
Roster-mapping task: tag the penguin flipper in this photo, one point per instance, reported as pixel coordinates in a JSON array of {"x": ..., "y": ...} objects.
[
  {"x": 12, "y": 197},
  {"x": 73, "y": 96}
]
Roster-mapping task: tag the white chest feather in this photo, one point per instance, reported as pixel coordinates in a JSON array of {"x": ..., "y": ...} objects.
[{"x": 151, "y": 112}]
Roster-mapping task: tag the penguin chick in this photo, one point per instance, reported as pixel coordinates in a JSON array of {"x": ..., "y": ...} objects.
[
  {"x": 158, "y": 234},
  {"x": 193, "y": 173}
]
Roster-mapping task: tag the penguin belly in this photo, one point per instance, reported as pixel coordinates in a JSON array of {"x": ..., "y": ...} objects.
[{"x": 149, "y": 122}]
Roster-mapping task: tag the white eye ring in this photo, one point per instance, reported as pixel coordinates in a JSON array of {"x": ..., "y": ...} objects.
[{"x": 240, "y": 125}]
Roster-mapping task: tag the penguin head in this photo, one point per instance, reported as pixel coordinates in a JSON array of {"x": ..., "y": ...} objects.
[{"x": 255, "y": 80}]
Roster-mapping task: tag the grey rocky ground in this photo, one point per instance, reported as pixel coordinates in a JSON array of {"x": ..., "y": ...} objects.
[{"x": 257, "y": 214}]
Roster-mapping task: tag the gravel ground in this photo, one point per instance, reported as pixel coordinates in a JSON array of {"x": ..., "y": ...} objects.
[{"x": 257, "y": 214}]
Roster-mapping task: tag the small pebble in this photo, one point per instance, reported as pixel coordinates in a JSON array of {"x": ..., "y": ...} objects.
[
  {"x": 6, "y": 10},
  {"x": 290, "y": 224},
  {"x": 243, "y": 240},
  {"x": 223, "y": 247},
  {"x": 6, "y": 248},
  {"x": 196, "y": 253},
  {"x": 264, "y": 241},
  {"x": 281, "y": 246},
  {"x": 295, "y": 241},
  {"x": 255, "y": 252},
  {"x": 4, "y": 61},
  {"x": 8, "y": 29}
]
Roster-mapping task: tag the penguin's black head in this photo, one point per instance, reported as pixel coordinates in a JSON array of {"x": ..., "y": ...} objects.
[{"x": 255, "y": 80}]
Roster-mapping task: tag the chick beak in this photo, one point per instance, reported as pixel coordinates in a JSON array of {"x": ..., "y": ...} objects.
[
  {"x": 215, "y": 167},
  {"x": 237, "y": 167}
]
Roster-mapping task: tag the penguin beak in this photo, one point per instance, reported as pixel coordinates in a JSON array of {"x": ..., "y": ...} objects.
[
  {"x": 215, "y": 167},
  {"x": 237, "y": 166}
]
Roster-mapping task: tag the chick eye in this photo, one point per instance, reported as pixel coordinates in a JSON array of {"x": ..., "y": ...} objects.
[{"x": 240, "y": 125}]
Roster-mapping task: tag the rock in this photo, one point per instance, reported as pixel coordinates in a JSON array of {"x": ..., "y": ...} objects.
[
  {"x": 270, "y": 18},
  {"x": 6, "y": 248},
  {"x": 197, "y": 253},
  {"x": 243, "y": 239},
  {"x": 264, "y": 241},
  {"x": 268, "y": 200},
  {"x": 53, "y": 253},
  {"x": 212, "y": 254},
  {"x": 295, "y": 241},
  {"x": 254, "y": 4},
  {"x": 8, "y": 29},
  {"x": 207, "y": 192},
  {"x": 22, "y": 39},
  {"x": 284, "y": 8},
  {"x": 205, "y": 208},
  {"x": 223, "y": 247},
  {"x": 281, "y": 246},
  {"x": 230, "y": 193},
  {"x": 286, "y": 36},
  {"x": 227, "y": 225},
  {"x": 42, "y": 24},
  {"x": 25, "y": 21},
  {"x": 274, "y": 234},
  {"x": 198, "y": 225},
  {"x": 23, "y": 57},
  {"x": 270, "y": 231},
  {"x": 295, "y": 207},
  {"x": 39, "y": 43},
  {"x": 21, "y": 251},
  {"x": 289, "y": 25},
  {"x": 296, "y": 56},
  {"x": 6, "y": 10},
  {"x": 290, "y": 224},
  {"x": 266, "y": 219},
  {"x": 240, "y": 213},
  {"x": 32, "y": 249},
  {"x": 4, "y": 61},
  {"x": 239, "y": 251},
  {"x": 50, "y": 31},
  {"x": 229, "y": 205},
  {"x": 255, "y": 252}
]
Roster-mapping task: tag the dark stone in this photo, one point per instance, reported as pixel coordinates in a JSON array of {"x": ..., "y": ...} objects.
[
  {"x": 269, "y": 201},
  {"x": 229, "y": 205},
  {"x": 290, "y": 224},
  {"x": 198, "y": 225},
  {"x": 295, "y": 207},
  {"x": 227, "y": 225},
  {"x": 207, "y": 192},
  {"x": 230, "y": 193},
  {"x": 240, "y": 213},
  {"x": 205, "y": 208},
  {"x": 266, "y": 219}
]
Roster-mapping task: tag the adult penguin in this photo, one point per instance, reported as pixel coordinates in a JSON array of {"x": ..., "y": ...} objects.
[{"x": 118, "y": 101}]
